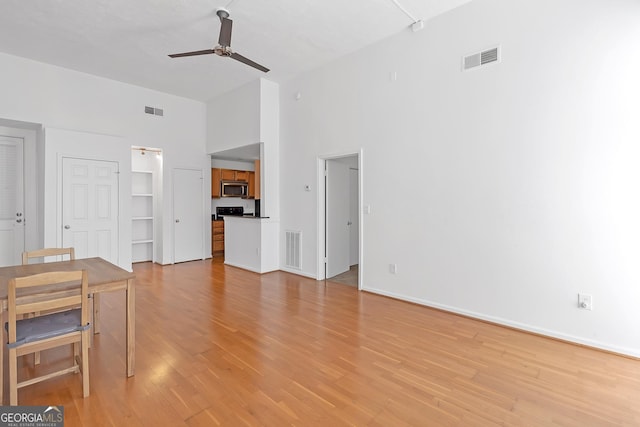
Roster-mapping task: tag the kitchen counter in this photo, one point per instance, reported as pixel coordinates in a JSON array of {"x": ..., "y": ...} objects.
[{"x": 252, "y": 245}]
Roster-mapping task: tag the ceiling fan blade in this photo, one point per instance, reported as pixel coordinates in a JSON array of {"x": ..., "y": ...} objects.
[
  {"x": 225, "y": 32},
  {"x": 249, "y": 62},
  {"x": 194, "y": 53}
]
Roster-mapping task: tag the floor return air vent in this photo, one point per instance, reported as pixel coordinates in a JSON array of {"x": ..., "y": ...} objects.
[{"x": 293, "y": 249}]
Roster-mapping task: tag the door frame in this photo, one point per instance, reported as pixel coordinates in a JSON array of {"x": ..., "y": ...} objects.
[{"x": 321, "y": 214}]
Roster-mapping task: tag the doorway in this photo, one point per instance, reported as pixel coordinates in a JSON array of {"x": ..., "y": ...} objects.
[{"x": 339, "y": 215}]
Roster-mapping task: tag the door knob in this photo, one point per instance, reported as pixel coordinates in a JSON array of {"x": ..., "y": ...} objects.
[
  {"x": 349, "y": 223},
  {"x": 177, "y": 220},
  {"x": 66, "y": 227}
]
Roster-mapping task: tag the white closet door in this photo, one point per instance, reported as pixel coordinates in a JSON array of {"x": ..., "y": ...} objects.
[
  {"x": 188, "y": 226},
  {"x": 90, "y": 208},
  {"x": 11, "y": 200}
]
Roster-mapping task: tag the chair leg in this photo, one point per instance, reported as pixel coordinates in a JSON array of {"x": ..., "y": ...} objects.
[
  {"x": 13, "y": 377},
  {"x": 36, "y": 355},
  {"x": 85, "y": 362}
]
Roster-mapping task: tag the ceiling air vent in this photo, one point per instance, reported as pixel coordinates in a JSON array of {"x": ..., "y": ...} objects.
[
  {"x": 154, "y": 111},
  {"x": 481, "y": 58}
]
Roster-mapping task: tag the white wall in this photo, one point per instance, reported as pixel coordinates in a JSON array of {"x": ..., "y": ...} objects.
[
  {"x": 233, "y": 118},
  {"x": 500, "y": 192},
  {"x": 59, "y": 98}
]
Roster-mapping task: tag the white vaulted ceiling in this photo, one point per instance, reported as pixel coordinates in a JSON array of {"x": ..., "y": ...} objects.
[{"x": 129, "y": 40}]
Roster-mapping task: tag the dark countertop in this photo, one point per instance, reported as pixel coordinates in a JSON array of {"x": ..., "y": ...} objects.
[{"x": 221, "y": 218}]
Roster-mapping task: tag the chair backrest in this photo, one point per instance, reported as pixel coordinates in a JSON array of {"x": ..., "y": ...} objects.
[
  {"x": 40, "y": 253},
  {"x": 41, "y": 297}
]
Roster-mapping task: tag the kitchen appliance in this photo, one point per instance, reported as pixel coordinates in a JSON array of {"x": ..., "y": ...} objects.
[
  {"x": 234, "y": 189},
  {"x": 222, "y": 211}
]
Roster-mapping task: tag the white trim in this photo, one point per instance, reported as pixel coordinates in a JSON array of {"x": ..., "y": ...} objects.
[
  {"x": 516, "y": 325},
  {"x": 299, "y": 273}
]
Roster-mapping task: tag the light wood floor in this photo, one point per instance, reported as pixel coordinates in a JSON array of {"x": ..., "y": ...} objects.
[{"x": 221, "y": 346}]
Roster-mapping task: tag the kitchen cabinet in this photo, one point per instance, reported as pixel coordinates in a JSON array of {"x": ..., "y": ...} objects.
[
  {"x": 215, "y": 182},
  {"x": 227, "y": 174},
  {"x": 234, "y": 175},
  {"x": 254, "y": 182},
  {"x": 252, "y": 185},
  {"x": 256, "y": 167},
  {"x": 242, "y": 176},
  {"x": 142, "y": 216},
  {"x": 217, "y": 238}
]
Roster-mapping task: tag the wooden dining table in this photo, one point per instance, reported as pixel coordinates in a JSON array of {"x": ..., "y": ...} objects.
[{"x": 102, "y": 276}]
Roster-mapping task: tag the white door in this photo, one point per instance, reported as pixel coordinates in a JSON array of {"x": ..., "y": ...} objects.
[
  {"x": 337, "y": 217},
  {"x": 354, "y": 220},
  {"x": 11, "y": 200},
  {"x": 188, "y": 226},
  {"x": 90, "y": 208}
]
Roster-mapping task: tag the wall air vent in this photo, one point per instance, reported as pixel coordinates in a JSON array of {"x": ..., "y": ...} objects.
[
  {"x": 154, "y": 111},
  {"x": 481, "y": 58},
  {"x": 293, "y": 255}
]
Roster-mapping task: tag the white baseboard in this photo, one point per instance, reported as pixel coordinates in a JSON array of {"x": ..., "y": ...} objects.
[
  {"x": 246, "y": 267},
  {"x": 299, "y": 273},
  {"x": 516, "y": 325}
]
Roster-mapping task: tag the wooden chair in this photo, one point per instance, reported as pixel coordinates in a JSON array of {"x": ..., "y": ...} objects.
[
  {"x": 41, "y": 253},
  {"x": 69, "y": 326}
]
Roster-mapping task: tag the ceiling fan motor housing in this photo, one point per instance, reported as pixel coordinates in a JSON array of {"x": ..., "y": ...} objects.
[
  {"x": 222, "y": 50},
  {"x": 222, "y": 13}
]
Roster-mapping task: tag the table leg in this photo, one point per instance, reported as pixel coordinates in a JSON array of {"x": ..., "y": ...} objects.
[{"x": 131, "y": 328}]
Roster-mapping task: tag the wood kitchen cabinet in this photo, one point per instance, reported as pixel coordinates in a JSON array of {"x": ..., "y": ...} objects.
[
  {"x": 227, "y": 174},
  {"x": 242, "y": 176},
  {"x": 215, "y": 182},
  {"x": 217, "y": 238},
  {"x": 254, "y": 181},
  {"x": 252, "y": 185},
  {"x": 234, "y": 175}
]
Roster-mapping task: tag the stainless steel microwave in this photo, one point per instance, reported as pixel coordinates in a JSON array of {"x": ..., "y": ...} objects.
[{"x": 234, "y": 189}]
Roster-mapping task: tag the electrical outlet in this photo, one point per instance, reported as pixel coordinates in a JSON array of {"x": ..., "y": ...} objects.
[
  {"x": 585, "y": 301},
  {"x": 393, "y": 268}
]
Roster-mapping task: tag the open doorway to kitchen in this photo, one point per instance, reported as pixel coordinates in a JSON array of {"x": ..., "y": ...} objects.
[{"x": 340, "y": 219}]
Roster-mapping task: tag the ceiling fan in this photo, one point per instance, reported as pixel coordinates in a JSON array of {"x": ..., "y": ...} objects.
[{"x": 224, "y": 44}]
